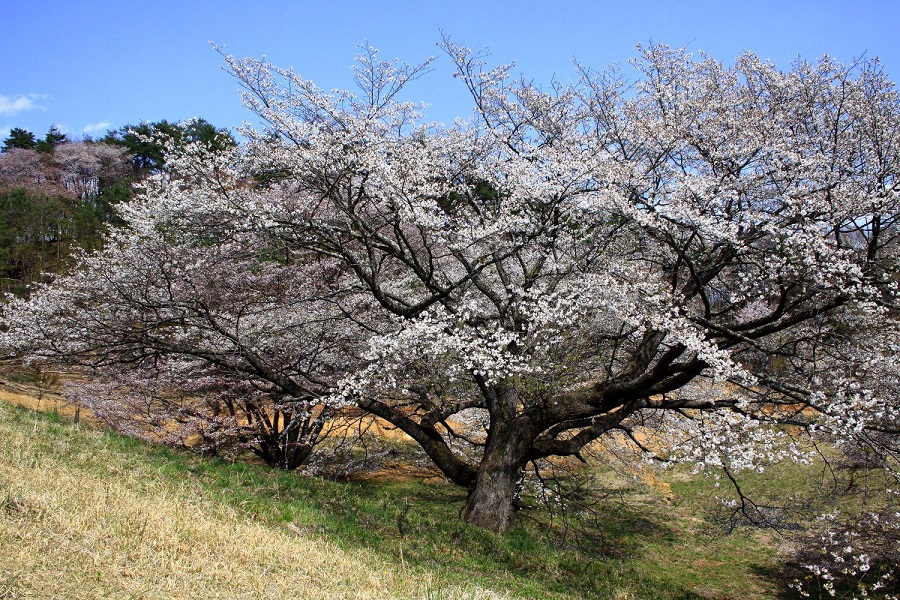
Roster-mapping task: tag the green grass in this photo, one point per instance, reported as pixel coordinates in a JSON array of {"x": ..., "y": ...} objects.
[{"x": 639, "y": 544}]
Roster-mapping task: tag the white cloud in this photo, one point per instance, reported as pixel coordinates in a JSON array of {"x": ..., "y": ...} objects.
[
  {"x": 11, "y": 105},
  {"x": 95, "y": 127}
]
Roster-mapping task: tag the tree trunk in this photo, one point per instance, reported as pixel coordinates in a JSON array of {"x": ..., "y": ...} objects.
[{"x": 490, "y": 502}]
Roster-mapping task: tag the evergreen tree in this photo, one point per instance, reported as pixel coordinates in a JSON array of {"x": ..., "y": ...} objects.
[
  {"x": 19, "y": 138},
  {"x": 51, "y": 140},
  {"x": 146, "y": 142}
]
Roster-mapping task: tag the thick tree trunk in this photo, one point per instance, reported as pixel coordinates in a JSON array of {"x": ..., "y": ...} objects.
[{"x": 490, "y": 502}]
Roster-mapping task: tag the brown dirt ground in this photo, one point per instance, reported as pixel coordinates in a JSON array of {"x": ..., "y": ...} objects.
[{"x": 30, "y": 397}]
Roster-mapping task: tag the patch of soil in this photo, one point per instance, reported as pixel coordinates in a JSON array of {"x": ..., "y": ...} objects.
[
  {"x": 31, "y": 397},
  {"x": 396, "y": 472}
]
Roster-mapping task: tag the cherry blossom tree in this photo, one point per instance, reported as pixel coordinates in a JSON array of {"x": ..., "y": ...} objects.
[
  {"x": 84, "y": 168},
  {"x": 78, "y": 169},
  {"x": 27, "y": 169},
  {"x": 710, "y": 250},
  {"x": 205, "y": 337}
]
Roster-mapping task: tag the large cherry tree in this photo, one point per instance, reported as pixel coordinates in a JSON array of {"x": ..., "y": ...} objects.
[{"x": 700, "y": 248}]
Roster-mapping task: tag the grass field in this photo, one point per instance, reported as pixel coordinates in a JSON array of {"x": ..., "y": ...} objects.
[{"x": 85, "y": 513}]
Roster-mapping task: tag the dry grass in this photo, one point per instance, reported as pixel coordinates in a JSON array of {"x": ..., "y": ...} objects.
[
  {"x": 88, "y": 514},
  {"x": 26, "y": 397},
  {"x": 80, "y": 519}
]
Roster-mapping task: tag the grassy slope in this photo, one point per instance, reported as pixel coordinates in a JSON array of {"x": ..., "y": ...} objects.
[{"x": 86, "y": 513}]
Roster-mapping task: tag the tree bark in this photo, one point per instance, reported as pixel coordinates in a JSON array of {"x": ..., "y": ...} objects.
[{"x": 490, "y": 502}]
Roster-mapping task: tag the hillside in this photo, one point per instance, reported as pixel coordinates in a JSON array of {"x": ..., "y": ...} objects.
[{"x": 86, "y": 513}]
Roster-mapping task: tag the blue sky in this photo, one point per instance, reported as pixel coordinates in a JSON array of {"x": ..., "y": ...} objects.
[{"x": 88, "y": 66}]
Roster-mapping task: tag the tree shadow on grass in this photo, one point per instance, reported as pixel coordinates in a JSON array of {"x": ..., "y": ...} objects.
[
  {"x": 578, "y": 557},
  {"x": 420, "y": 526}
]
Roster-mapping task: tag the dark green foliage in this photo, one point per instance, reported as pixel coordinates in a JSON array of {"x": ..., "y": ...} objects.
[
  {"x": 482, "y": 196},
  {"x": 38, "y": 231},
  {"x": 146, "y": 155},
  {"x": 34, "y": 236},
  {"x": 19, "y": 138},
  {"x": 146, "y": 142},
  {"x": 51, "y": 140}
]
